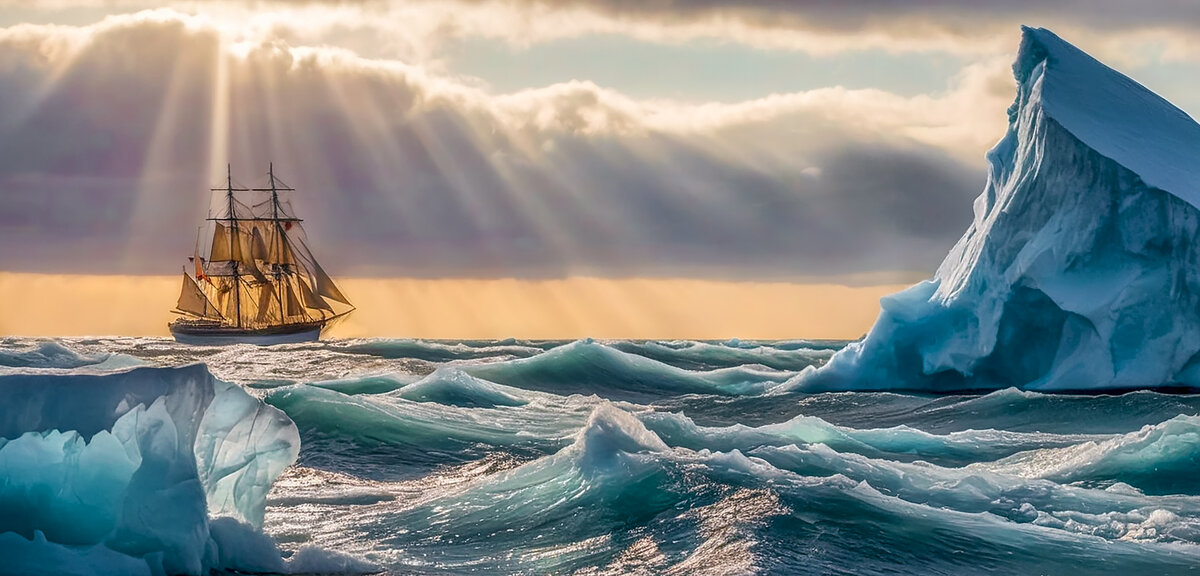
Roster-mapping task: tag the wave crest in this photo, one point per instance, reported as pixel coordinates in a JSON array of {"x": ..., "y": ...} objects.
[{"x": 588, "y": 367}]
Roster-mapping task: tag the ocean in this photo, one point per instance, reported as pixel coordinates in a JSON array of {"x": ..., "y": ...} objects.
[{"x": 686, "y": 457}]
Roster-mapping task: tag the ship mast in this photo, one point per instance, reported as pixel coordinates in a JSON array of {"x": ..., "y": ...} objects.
[
  {"x": 199, "y": 264},
  {"x": 233, "y": 236},
  {"x": 278, "y": 240},
  {"x": 287, "y": 256}
]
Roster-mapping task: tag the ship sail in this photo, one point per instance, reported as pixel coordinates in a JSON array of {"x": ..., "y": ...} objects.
[
  {"x": 293, "y": 304},
  {"x": 266, "y": 297},
  {"x": 192, "y": 300},
  {"x": 311, "y": 300},
  {"x": 258, "y": 272},
  {"x": 325, "y": 285}
]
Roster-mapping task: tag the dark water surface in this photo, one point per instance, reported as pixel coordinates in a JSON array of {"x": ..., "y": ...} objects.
[{"x": 688, "y": 457}]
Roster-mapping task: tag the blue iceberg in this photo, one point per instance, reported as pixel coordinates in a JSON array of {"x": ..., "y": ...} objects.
[
  {"x": 1081, "y": 270},
  {"x": 148, "y": 471}
]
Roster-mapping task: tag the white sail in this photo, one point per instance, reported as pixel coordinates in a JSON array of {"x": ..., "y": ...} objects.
[
  {"x": 193, "y": 301},
  {"x": 311, "y": 300},
  {"x": 259, "y": 271},
  {"x": 253, "y": 271},
  {"x": 227, "y": 297},
  {"x": 258, "y": 244},
  {"x": 266, "y": 303},
  {"x": 294, "y": 308},
  {"x": 281, "y": 249},
  {"x": 321, "y": 282},
  {"x": 231, "y": 244},
  {"x": 325, "y": 286}
]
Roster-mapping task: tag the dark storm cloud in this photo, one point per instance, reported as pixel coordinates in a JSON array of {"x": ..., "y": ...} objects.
[
  {"x": 955, "y": 16},
  {"x": 104, "y": 169},
  {"x": 958, "y": 16}
]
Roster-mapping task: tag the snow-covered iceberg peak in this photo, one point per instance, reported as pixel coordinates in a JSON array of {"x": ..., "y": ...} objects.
[
  {"x": 1081, "y": 270},
  {"x": 1112, "y": 114}
]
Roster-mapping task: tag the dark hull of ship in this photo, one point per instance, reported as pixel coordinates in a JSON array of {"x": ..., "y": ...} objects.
[{"x": 217, "y": 335}]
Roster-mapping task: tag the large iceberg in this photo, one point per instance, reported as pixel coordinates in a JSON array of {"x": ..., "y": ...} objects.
[
  {"x": 1081, "y": 270},
  {"x": 148, "y": 471}
]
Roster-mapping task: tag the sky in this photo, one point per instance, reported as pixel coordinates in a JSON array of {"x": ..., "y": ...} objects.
[{"x": 714, "y": 143}]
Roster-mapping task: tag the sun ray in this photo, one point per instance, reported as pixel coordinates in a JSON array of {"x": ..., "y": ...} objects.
[
  {"x": 218, "y": 133},
  {"x": 57, "y": 55},
  {"x": 164, "y": 151}
]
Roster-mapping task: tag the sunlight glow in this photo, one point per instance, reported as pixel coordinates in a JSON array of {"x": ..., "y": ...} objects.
[
  {"x": 218, "y": 136},
  {"x": 523, "y": 169},
  {"x": 463, "y": 308}
]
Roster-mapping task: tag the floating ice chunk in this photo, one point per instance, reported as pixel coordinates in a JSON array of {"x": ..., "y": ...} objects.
[
  {"x": 37, "y": 556},
  {"x": 1081, "y": 270},
  {"x": 243, "y": 446},
  {"x": 103, "y": 469},
  {"x": 60, "y": 485}
]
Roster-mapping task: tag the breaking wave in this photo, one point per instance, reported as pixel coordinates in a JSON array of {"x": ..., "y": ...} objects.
[
  {"x": 620, "y": 496},
  {"x": 587, "y": 458},
  {"x": 708, "y": 356},
  {"x": 588, "y": 367},
  {"x": 47, "y": 354},
  {"x": 433, "y": 351},
  {"x": 1158, "y": 459}
]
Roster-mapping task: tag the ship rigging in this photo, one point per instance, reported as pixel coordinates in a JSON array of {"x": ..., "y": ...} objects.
[{"x": 253, "y": 277}]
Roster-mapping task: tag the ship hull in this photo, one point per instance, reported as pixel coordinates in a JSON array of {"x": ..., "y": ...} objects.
[{"x": 227, "y": 335}]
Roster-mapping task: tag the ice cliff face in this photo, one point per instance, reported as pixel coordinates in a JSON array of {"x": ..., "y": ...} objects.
[
  {"x": 149, "y": 471},
  {"x": 1081, "y": 270}
]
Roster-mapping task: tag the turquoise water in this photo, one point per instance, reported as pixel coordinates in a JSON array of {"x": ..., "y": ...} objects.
[{"x": 686, "y": 457}]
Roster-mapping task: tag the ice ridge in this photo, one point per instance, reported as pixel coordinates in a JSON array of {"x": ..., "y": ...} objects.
[{"x": 133, "y": 469}]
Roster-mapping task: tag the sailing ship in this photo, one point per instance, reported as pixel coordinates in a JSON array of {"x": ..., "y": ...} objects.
[{"x": 253, "y": 278}]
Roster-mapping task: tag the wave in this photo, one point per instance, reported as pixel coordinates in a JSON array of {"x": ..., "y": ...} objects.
[
  {"x": 1022, "y": 410},
  {"x": 1116, "y": 514},
  {"x": 454, "y": 387},
  {"x": 1158, "y": 459},
  {"x": 580, "y": 502},
  {"x": 370, "y": 384},
  {"x": 388, "y": 429},
  {"x": 895, "y": 443},
  {"x": 818, "y": 344},
  {"x": 1008, "y": 409},
  {"x": 447, "y": 385},
  {"x": 432, "y": 351},
  {"x": 542, "y": 466},
  {"x": 587, "y": 367},
  {"x": 47, "y": 354},
  {"x": 706, "y": 356},
  {"x": 620, "y": 496}
]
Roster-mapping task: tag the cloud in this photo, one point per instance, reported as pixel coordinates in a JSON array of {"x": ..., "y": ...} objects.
[
  {"x": 869, "y": 13},
  {"x": 417, "y": 30},
  {"x": 972, "y": 27},
  {"x": 116, "y": 129}
]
